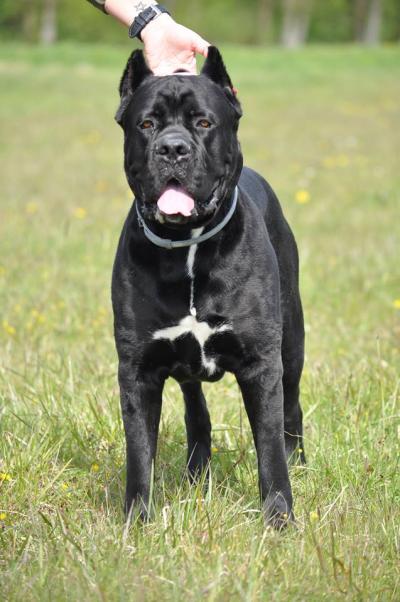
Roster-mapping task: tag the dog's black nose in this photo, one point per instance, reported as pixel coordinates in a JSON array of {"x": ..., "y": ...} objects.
[{"x": 172, "y": 147}]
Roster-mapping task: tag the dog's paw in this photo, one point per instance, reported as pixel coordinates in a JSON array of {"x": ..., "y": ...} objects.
[
  {"x": 136, "y": 511},
  {"x": 280, "y": 521},
  {"x": 278, "y": 512}
]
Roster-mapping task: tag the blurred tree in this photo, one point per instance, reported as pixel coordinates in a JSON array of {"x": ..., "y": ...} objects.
[
  {"x": 296, "y": 22},
  {"x": 372, "y": 30},
  {"x": 236, "y": 21},
  {"x": 367, "y": 15},
  {"x": 48, "y": 29}
]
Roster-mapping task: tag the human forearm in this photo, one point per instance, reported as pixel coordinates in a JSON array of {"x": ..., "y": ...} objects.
[{"x": 126, "y": 10}]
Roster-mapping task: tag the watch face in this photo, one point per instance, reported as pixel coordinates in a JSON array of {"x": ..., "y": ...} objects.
[{"x": 143, "y": 6}]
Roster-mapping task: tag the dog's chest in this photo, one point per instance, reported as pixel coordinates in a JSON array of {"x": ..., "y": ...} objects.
[
  {"x": 192, "y": 344},
  {"x": 196, "y": 345}
]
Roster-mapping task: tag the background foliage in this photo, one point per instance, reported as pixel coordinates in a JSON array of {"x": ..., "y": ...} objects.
[{"x": 249, "y": 22}]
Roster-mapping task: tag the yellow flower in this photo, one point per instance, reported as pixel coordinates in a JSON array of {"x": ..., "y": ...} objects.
[
  {"x": 396, "y": 303},
  {"x": 95, "y": 467},
  {"x": 64, "y": 486},
  {"x": 342, "y": 160},
  {"x": 302, "y": 197},
  {"x": 8, "y": 328},
  {"x": 79, "y": 212},
  {"x": 31, "y": 207},
  {"x": 40, "y": 318},
  {"x": 3, "y": 516},
  {"x": 214, "y": 449},
  {"x": 314, "y": 516},
  {"x": 328, "y": 162},
  {"x": 4, "y": 476}
]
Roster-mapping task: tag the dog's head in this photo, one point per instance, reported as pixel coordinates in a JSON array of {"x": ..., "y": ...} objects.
[{"x": 182, "y": 155}]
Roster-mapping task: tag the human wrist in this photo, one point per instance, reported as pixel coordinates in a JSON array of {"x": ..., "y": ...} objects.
[
  {"x": 161, "y": 21},
  {"x": 146, "y": 16}
]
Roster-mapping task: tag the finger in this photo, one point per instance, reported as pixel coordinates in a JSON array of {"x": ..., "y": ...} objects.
[{"x": 200, "y": 46}]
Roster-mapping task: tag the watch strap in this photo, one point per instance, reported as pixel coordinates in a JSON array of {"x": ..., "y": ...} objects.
[{"x": 144, "y": 18}]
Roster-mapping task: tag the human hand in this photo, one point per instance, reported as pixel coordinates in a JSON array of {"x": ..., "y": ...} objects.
[{"x": 169, "y": 46}]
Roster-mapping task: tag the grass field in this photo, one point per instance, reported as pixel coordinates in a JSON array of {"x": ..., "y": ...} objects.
[{"x": 323, "y": 127}]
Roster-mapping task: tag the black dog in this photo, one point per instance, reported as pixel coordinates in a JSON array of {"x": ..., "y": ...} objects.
[{"x": 205, "y": 279}]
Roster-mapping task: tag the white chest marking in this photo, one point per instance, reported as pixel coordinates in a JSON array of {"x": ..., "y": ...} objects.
[
  {"x": 201, "y": 332},
  {"x": 192, "y": 252},
  {"x": 190, "y": 268},
  {"x": 190, "y": 325}
]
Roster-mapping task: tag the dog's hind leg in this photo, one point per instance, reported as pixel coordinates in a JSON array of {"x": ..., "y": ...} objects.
[
  {"x": 198, "y": 429},
  {"x": 293, "y": 415}
]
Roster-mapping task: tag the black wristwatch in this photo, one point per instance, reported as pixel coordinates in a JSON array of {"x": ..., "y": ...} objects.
[{"x": 144, "y": 18}]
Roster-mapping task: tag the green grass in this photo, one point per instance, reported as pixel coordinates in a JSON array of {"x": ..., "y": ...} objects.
[{"x": 324, "y": 121}]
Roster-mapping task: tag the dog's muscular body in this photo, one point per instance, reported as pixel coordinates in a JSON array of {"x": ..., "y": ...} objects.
[{"x": 230, "y": 303}]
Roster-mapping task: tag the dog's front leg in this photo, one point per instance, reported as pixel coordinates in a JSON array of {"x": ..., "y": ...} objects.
[
  {"x": 262, "y": 392},
  {"x": 141, "y": 409}
]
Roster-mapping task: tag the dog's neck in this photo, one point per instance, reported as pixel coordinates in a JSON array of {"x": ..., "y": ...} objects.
[{"x": 196, "y": 236}]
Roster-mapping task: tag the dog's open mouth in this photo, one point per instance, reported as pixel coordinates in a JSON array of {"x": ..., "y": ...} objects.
[
  {"x": 175, "y": 200},
  {"x": 177, "y": 207}
]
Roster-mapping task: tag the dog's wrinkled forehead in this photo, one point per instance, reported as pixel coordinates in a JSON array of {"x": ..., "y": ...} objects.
[
  {"x": 175, "y": 91},
  {"x": 175, "y": 94},
  {"x": 170, "y": 92}
]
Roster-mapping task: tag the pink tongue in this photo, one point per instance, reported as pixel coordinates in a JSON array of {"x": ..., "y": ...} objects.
[{"x": 173, "y": 200}]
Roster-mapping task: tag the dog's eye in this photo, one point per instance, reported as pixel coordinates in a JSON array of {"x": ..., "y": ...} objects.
[
  {"x": 146, "y": 124},
  {"x": 203, "y": 123}
]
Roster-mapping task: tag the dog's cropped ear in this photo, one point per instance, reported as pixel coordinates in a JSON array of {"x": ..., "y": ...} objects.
[
  {"x": 215, "y": 70},
  {"x": 136, "y": 71}
]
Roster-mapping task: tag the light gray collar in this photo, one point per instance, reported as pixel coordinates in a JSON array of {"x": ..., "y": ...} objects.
[{"x": 166, "y": 243}]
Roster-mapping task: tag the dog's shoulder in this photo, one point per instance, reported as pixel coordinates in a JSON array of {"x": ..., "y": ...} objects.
[{"x": 260, "y": 193}]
